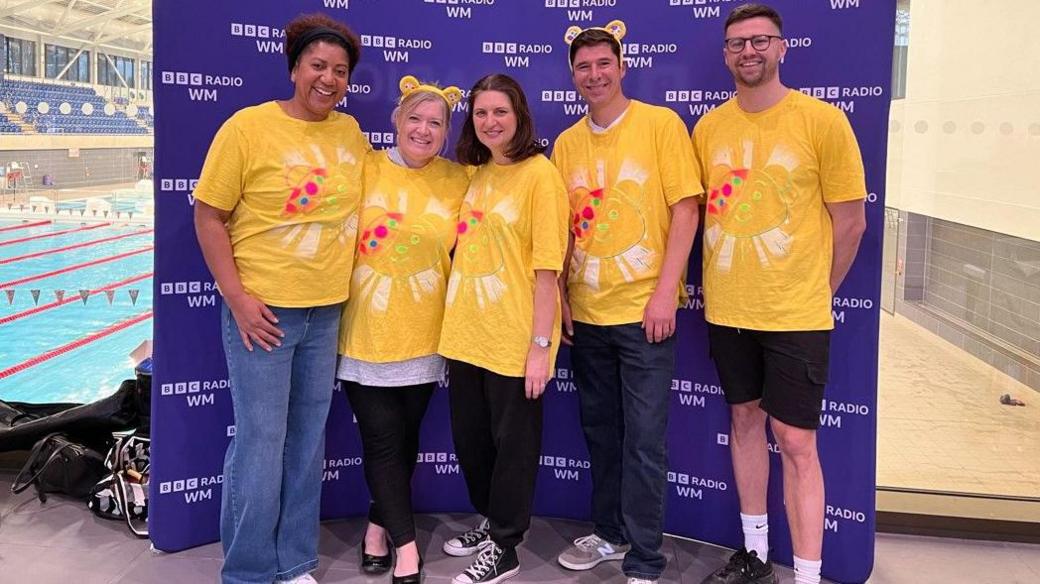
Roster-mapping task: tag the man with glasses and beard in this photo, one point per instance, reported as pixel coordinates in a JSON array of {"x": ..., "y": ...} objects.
[{"x": 784, "y": 215}]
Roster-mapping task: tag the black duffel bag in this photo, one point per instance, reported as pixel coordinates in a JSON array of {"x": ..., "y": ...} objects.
[
  {"x": 59, "y": 465},
  {"x": 24, "y": 424},
  {"x": 14, "y": 413}
]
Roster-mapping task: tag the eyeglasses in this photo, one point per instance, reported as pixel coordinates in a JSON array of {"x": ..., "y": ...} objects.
[{"x": 758, "y": 42}]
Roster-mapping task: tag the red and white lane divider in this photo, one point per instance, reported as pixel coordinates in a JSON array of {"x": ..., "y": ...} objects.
[
  {"x": 73, "y": 298},
  {"x": 27, "y": 256},
  {"x": 26, "y": 225},
  {"x": 75, "y": 267},
  {"x": 53, "y": 234},
  {"x": 75, "y": 344}
]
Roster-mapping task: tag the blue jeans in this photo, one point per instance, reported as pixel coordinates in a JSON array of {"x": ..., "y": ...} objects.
[
  {"x": 272, "y": 470},
  {"x": 623, "y": 390}
]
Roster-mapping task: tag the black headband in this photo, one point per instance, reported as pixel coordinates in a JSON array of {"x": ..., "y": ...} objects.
[{"x": 309, "y": 37}]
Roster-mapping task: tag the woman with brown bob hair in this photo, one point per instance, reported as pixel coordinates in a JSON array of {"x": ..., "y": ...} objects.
[
  {"x": 502, "y": 321},
  {"x": 275, "y": 215}
]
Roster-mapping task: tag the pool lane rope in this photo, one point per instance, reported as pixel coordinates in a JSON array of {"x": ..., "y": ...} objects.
[
  {"x": 75, "y": 267},
  {"x": 56, "y": 352},
  {"x": 53, "y": 234},
  {"x": 75, "y": 298},
  {"x": 26, "y": 225},
  {"x": 27, "y": 256}
]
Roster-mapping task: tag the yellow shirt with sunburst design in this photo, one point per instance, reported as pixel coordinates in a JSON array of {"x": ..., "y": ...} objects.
[
  {"x": 622, "y": 183},
  {"x": 293, "y": 189},
  {"x": 767, "y": 233},
  {"x": 408, "y": 224},
  {"x": 513, "y": 222}
]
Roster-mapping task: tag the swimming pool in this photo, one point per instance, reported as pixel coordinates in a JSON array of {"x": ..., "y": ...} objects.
[
  {"x": 75, "y": 300},
  {"x": 78, "y": 207}
]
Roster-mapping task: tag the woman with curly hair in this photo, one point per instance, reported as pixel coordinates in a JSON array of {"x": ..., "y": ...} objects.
[{"x": 275, "y": 215}]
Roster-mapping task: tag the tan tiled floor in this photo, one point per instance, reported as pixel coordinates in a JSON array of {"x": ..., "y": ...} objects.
[{"x": 940, "y": 422}]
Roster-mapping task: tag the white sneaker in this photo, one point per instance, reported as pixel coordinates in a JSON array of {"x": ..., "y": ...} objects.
[
  {"x": 301, "y": 579},
  {"x": 587, "y": 552},
  {"x": 634, "y": 580}
]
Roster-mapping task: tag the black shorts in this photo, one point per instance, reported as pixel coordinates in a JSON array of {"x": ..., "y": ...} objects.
[{"x": 785, "y": 369}]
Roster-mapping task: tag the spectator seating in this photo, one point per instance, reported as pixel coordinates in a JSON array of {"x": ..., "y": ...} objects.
[
  {"x": 6, "y": 127},
  {"x": 77, "y": 120}
]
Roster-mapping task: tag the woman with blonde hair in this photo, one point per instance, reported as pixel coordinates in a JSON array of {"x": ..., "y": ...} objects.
[{"x": 392, "y": 323}]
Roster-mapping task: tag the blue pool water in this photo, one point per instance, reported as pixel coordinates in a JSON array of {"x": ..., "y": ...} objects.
[{"x": 94, "y": 369}]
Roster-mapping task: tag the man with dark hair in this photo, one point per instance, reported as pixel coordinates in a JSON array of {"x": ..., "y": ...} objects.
[
  {"x": 784, "y": 217},
  {"x": 749, "y": 11},
  {"x": 633, "y": 190}
]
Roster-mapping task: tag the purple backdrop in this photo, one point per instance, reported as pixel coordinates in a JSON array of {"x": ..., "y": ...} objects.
[{"x": 213, "y": 58}]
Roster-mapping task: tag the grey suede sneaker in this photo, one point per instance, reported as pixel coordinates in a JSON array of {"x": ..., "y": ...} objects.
[{"x": 587, "y": 552}]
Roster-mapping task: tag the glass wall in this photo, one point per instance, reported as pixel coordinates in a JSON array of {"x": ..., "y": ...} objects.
[
  {"x": 111, "y": 67},
  {"x": 899, "y": 54},
  {"x": 57, "y": 57},
  {"x": 959, "y": 389},
  {"x": 21, "y": 56},
  {"x": 146, "y": 75}
]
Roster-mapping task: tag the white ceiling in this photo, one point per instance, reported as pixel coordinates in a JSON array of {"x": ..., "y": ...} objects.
[{"x": 111, "y": 24}]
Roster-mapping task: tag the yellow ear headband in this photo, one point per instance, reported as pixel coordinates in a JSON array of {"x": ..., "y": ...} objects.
[
  {"x": 615, "y": 28},
  {"x": 409, "y": 85}
]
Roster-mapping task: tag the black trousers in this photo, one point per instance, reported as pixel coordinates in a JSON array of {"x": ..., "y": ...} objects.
[
  {"x": 498, "y": 438},
  {"x": 388, "y": 419}
]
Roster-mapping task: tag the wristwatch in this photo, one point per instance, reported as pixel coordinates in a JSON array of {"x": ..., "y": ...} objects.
[{"x": 542, "y": 342}]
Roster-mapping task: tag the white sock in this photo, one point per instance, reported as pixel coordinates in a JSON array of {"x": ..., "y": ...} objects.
[
  {"x": 806, "y": 571},
  {"x": 756, "y": 534}
]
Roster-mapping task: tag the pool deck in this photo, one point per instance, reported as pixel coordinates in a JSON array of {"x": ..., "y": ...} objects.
[{"x": 45, "y": 203}]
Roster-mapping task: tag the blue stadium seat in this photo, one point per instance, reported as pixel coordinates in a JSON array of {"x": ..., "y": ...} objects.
[{"x": 75, "y": 121}]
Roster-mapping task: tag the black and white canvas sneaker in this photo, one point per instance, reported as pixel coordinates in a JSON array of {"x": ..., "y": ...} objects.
[
  {"x": 493, "y": 564},
  {"x": 467, "y": 543}
]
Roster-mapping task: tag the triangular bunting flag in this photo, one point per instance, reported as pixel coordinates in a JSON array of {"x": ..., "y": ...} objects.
[
  {"x": 10, "y": 296},
  {"x": 133, "y": 295},
  {"x": 59, "y": 295},
  {"x": 36, "y": 296},
  {"x": 83, "y": 294},
  {"x": 110, "y": 294}
]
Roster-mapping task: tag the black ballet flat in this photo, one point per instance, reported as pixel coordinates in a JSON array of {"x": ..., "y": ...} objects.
[
  {"x": 415, "y": 578},
  {"x": 371, "y": 564}
]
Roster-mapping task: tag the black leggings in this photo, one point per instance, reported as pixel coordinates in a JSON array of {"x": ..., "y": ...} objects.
[{"x": 388, "y": 419}]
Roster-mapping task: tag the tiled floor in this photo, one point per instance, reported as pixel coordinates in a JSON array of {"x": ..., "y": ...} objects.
[
  {"x": 940, "y": 422},
  {"x": 940, "y": 426},
  {"x": 61, "y": 542}
]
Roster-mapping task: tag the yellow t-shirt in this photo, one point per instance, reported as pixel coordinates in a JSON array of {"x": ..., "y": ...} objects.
[
  {"x": 513, "y": 222},
  {"x": 622, "y": 183},
  {"x": 407, "y": 229},
  {"x": 767, "y": 234},
  {"x": 293, "y": 189}
]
